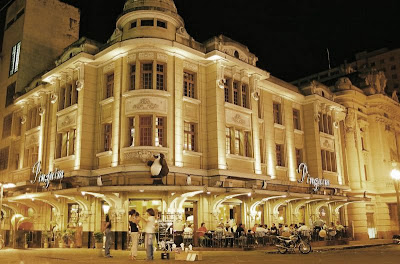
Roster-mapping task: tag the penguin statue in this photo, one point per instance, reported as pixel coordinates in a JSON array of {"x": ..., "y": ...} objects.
[{"x": 158, "y": 168}]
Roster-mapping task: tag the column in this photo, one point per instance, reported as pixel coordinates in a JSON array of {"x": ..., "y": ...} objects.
[
  {"x": 179, "y": 129},
  {"x": 270, "y": 147},
  {"x": 116, "y": 116},
  {"x": 53, "y": 121},
  {"x": 290, "y": 147},
  {"x": 358, "y": 220},
  {"x": 255, "y": 91}
]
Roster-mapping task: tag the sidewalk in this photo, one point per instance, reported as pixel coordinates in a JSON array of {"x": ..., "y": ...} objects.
[{"x": 351, "y": 245}]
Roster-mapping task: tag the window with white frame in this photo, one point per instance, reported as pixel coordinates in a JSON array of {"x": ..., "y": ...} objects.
[
  {"x": 189, "y": 85},
  {"x": 107, "y": 137},
  {"x": 277, "y": 108},
  {"x": 238, "y": 142},
  {"x": 280, "y": 155},
  {"x": 14, "y": 62},
  {"x": 190, "y": 136},
  {"x": 328, "y": 159},
  {"x": 66, "y": 142}
]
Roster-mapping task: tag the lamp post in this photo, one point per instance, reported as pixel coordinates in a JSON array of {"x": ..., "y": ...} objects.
[{"x": 395, "y": 174}]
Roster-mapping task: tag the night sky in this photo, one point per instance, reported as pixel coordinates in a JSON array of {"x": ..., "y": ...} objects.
[{"x": 290, "y": 37}]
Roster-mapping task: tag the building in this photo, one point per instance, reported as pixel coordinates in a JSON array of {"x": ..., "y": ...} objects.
[
  {"x": 233, "y": 136},
  {"x": 385, "y": 60}
]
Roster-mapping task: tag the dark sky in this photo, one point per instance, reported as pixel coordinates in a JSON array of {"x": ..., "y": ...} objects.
[{"x": 289, "y": 37}]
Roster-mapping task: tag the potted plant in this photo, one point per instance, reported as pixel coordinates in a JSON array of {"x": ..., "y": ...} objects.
[
  {"x": 26, "y": 236},
  {"x": 71, "y": 237},
  {"x": 98, "y": 238},
  {"x": 46, "y": 235}
]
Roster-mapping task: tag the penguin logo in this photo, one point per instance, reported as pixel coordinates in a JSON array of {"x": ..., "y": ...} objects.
[{"x": 158, "y": 167}]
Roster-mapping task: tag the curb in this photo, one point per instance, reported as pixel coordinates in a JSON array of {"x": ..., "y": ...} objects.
[{"x": 338, "y": 248}]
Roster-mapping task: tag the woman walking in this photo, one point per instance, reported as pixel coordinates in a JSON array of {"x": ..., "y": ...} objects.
[
  {"x": 134, "y": 219},
  {"x": 150, "y": 230}
]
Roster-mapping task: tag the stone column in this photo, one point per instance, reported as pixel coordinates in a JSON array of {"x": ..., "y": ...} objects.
[
  {"x": 312, "y": 140},
  {"x": 116, "y": 115},
  {"x": 53, "y": 122},
  {"x": 290, "y": 147},
  {"x": 358, "y": 220},
  {"x": 178, "y": 96},
  {"x": 269, "y": 135},
  {"x": 255, "y": 93}
]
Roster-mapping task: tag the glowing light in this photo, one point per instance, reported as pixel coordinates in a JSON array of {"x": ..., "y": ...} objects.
[
  {"x": 106, "y": 208},
  {"x": 249, "y": 194},
  {"x": 83, "y": 193},
  {"x": 395, "y": 174},
  {"x": 208, "y": 193},
  {"x": 141, "y": 191}
]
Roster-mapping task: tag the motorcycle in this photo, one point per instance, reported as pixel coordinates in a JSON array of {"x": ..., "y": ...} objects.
[{"x": 285, "y": 244}]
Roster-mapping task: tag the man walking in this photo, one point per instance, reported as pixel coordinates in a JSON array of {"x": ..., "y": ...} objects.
[{"x": 108, "y": 237}]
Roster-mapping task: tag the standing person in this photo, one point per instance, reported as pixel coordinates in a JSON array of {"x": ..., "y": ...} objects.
[
  {"x": 134, "y": 219},
  {"x": 150, "y": 230},
  {"x": 108, "y": 237}
]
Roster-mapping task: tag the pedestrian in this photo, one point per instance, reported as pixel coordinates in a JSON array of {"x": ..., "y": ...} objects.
[
  {"x": 150, "y": 230},
  {"x": 108, "y": 237},
  {"x": 134, "y": 219}
]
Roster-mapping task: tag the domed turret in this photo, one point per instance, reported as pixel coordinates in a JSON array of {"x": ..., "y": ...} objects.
[
  {"x": 148, "y": 19},
  {"x": 166, "y": 5}
]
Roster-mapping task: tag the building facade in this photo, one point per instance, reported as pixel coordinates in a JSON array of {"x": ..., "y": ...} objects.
[{"x": 76, "y": 140}]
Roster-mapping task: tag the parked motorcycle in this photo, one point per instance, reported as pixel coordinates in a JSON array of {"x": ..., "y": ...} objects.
[{"x": 285, "y": 244}]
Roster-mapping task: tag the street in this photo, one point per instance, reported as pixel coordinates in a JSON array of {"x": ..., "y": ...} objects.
[{"x": 373, "y": 255}]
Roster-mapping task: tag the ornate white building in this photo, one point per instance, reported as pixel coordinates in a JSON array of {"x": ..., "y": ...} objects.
[{"x": 232, "y": 134}]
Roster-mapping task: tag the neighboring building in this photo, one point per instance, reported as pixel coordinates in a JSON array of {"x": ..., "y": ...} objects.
[
  {"x": 233, "y": 137},
  {"x": 385, "y": 60}
]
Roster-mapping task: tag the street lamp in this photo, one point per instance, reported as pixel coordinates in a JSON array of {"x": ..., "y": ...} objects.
[
  {"x": 395, "y": 174},
  {"x": 2, "y": 187}
]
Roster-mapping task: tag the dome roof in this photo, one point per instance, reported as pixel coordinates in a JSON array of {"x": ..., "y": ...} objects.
[{"x": 162, "y": 5}]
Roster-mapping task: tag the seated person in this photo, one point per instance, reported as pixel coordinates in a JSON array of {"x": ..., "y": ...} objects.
[
  {"x": 202, "y": 234},
  {"x": 188, "y": 232}
]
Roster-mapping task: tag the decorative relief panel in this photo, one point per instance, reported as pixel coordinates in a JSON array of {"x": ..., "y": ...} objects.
[
  {"x": 131, "y": 58},
  {"x": 109, "y": 67},
  {"x": 106, "y": 111},
  {"x": 279, "y": 136},
  {"x": 162, "y": 57},
  {"x": 32, "y": 139},
  {"x": 276, "y": 98},
  {"x": 191, "y": 112},
  {"x": 327, "y": 143},
  {"x": 298, "y": 140},
  {"x": 190, "y": 66},
  {"x": 66, "y": 121},
  {"x": 146, "y": 56},
  {"x": 146, "y": 104},
  {"x": 238, "y": 119}
]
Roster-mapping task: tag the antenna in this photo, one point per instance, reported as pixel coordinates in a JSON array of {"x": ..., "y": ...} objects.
[{"x": 329, "y": 58}]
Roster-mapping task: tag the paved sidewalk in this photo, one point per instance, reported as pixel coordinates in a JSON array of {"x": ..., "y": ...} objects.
[{"x": 351, "y": 245}]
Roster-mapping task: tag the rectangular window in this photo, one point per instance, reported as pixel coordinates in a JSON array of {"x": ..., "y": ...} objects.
[
  {"x": 110, "y": 86},
  {"x": 132, "y": 78},
  {"x": 31, "y": 156},
  {"x": 226, "y": 90},
  {"x": 66, "y": 144},
  {"x": 393, "y": 67},
  {"x": 236, "y": 93},
  {"x": 107, "y": 137},
  {"x": 7, "y": 125},
  {"x": 147, "y": 23},
  {"x": 134, "y": 24},
  {"x": 323, "y": 159},
  {"x": 10, "y": 94},
  {"x": 190, "y": 137},
  {"x": 161, "y": 24},
  {"x": 4, "y": 158},
  {"x": 296, "y": 119},
  {"x": 189, "y": 84},
  {"x": 328, "y": 160},
  {"x": 146, "y": 128},
  {"x": 161, "y": 77},
  {"x": 238, "y": 149},
  {"x": 61, "y": 104},
  {"x": 33, "y": 118},
  {"x": 299, "y": 156},
  {"x": 160, "y": 132},
  {"x": 246, "y": 143},
  {"x": 228, "y": 140},
  {"x": 147, "y": 76},
  {"x": 244, "y": 96},
  {"x": 280, "y": 159},
  {"x": 14, "y": 63},
  {"x": 132, "y": 131},
  {"x": 277, "y": 113}
]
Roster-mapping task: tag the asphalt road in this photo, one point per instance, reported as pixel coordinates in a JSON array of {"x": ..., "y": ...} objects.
[{"x": 372, "y": 255}]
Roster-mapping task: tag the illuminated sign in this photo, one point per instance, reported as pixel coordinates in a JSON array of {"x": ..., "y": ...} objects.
[
  {"x": 317, "y": 183},
  {"x": 45, "y": 178}
]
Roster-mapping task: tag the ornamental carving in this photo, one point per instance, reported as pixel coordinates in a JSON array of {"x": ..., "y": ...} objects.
[
  {"x": 146, "y": 56},
  {"x": 131, "y": 58},
  {"x": 350, "y": 120},
  {"x": 146, "y": 104},
  {"x": 237, "y": 119},
  {"x": 42, "y": 111},
  {"x": 32, "y": 139},
  {"x": 327, "y": 143},
  {"x": 66, "y": 121},
  {"x": 276, "y": 98},
  {"x": 190, "y": 66},
  {"x": 162, "y": 57},
  {"x": 53, "y": 98},
  {"x": 109, "y": 67},
  {"x": 79, "y": 85},
  {"x": 143, "y": 155}
]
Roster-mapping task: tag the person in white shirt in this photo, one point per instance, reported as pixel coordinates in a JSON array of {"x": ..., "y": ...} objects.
[{"x": 150, "y": 230}]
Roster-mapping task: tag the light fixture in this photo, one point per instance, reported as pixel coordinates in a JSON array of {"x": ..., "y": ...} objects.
[
  {"x": 106, "y": 208},
  {"x": 395, "y": 174},
  {"x": 172, "y": 194},
  {"x": 141, "y": 191},
  {"x": 209, "y": 193},
  {"x": 83, "y": 193},
  {"x": 249, "y": 194}
]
